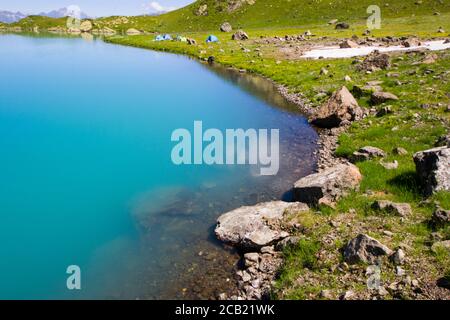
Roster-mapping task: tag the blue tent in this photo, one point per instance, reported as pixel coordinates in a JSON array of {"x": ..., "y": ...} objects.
[
  {"x": 159, "y": 38},
  {"x": 167, "y": 37},
  {"x": 212, "y": 38}
]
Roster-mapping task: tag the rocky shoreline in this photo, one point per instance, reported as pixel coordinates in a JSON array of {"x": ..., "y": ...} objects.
[{"x": 263, "y": 231}]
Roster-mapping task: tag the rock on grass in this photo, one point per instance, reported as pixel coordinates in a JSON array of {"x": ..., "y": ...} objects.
[
  {"x": 364, "y": 249},
  {"x": 400, "y": 209},
  {"x": 433, "y": 169},
  {"x": 341, "y": 107},
  {"x": 327, "y": 186}
]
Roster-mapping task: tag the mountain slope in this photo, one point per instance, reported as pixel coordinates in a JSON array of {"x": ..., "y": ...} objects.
[
  {"x": 209, "y": 14},
  {"x": 9, "y": 17}
]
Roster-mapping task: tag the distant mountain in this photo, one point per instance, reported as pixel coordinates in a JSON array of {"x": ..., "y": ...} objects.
[
  {"x": 60, "y": 13},
  {"x": 9, "y": 17}
]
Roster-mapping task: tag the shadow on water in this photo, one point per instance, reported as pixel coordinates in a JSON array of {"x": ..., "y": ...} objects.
[{"x": 256, "y": 85}]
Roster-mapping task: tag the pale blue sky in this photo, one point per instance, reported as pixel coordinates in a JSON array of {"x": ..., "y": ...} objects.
[{"x": 93, "y": 7}]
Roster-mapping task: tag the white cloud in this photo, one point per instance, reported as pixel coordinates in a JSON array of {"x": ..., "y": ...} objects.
[{"x": 156, "y": 7}]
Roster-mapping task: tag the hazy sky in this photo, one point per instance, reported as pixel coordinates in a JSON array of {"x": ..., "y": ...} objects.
[{"x": 94, "y": 7}]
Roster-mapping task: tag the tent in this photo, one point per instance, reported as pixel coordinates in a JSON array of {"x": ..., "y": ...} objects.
[
  {"x": 165, "y": 37},
  {"x": 181, "y": 38},
  {"x": 212, "y": 38}
]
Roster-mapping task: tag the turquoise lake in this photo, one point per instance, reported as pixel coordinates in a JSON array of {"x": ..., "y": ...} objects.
[{"x": 86, "y": 176}]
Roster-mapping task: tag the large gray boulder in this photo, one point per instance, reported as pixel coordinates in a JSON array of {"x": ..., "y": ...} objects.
[
  {"x": 364, "y": 249},
  {"x": 433, "y": 169},
  {"x": 226, "y": 27},
  {"x": 240, "y": 35},
  {"x": 254, "y": 227},
  {"x": 341, "y": 107},
  {"x": 327, "y": 186}
]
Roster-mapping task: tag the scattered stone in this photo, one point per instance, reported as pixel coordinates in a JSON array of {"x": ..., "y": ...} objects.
[
  {"x": 226, "y": 27},
  {"x": 430, "y": 58},
  {"x": 191, "y": 41},
  {"x": 133, "y": 32},
  {"x": 326, "y": 294},
  {"x": 367, "y": 153},
  {"x": 389, "y": 165},
  {"x": 375, "y": 61},
  {"x": 308, "y": 33},
  {"x": 342, "y": 25},
  {"x": 412, "y": 42},
  {"x": 432, "y": 168},
  {"x": 202, "y": 10},
  {"x": 381, "y": 97},
  {"x": 346, "y": 44},
  {"x": 340, "y": 107},
  {"x": 251, "y": 259},
  {"x": 347, "y": 295},
  {"x": 441, "y": 245},
  {"x": 240, "y": 35},
  {"x": 399, "y": 271},
  {"x": 327, "y": 186},
  {"x": 400, "y": 209},
  {"x": 333, "y": 21},
  {"x": 398, "y": 257},
  {"x": 364, "y": 249},
  {"x": 347, "y": 78},
  {"x": 254, "y": 227},
  {"x": 323, "y": 71},
  {"x": 211, "y": 59},
  {"x": 86, "y": 26},
  {"x": 447, "y": 41},
  {"x": 287, "y": 242},
  {"x": 440, "y": 217},
  {"x": 400, "y": 151},
  {"x": 443, "y": 141},
  {"x": 384, "y": 111}
]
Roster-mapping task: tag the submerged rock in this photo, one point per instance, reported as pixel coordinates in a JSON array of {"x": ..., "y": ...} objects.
[
  {"x": 433, "y": 169},
  {"x": 341, "y": 107},
  {"x": 364, "y": 249},
  {"x": 254, "y": 227},
  {"x": 327, "y": 186}
]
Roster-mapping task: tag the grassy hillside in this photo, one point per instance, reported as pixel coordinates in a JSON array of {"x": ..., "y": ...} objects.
[
  {"x": 255, "y": 14},
  {"x": 282, "y": 13}
]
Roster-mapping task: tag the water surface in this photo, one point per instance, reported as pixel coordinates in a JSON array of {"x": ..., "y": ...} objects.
[{"x": 86, "y": 176}]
